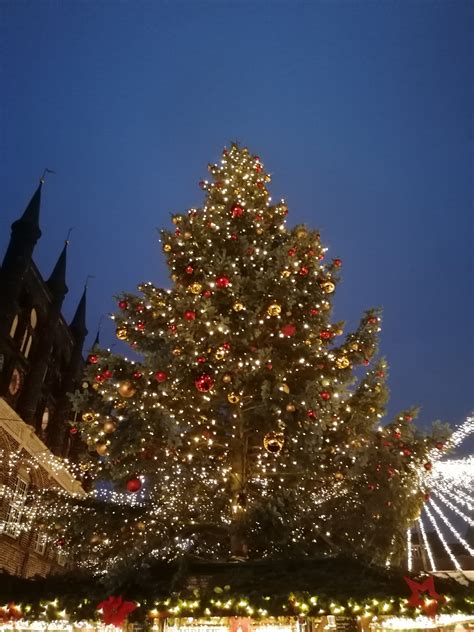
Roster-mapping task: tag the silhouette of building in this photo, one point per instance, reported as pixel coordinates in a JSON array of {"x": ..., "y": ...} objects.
[{"x": 40, "y": 363}]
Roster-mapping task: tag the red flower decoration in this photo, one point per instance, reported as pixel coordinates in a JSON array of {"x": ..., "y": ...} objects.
[
  {"x": 288, "y": 330},
  {"x": 115, "y": 610},
  {"x": 430, "y": 607},
  {"x": 237, "y": 211}
]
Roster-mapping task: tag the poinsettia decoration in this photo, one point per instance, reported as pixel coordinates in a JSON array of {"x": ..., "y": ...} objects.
[
  {"x": 115, "y": 610},
  {"x": 430, "y": 607}
]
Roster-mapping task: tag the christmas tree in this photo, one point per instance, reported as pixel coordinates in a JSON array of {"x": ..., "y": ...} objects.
[{"x": 241, "y": 431}]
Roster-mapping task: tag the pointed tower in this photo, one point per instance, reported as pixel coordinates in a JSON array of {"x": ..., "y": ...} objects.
[
  {"x": 57, "y": 281},
  {"x": 78, "y": 323},
  {"x": 24, "y": 236}
]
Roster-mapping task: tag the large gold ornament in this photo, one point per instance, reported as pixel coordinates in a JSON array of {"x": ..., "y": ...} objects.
[
  {"x": 285, "y": 274},
  {"x": 274, "y": 309},
  {"x": 121, "y": 333},
  {"x": 284, "y": 388},
  {"x": 233, "y": 398},
  {"x": 109, "y": 426},
  {"x": 342, "y": 362},
  {"x": 88, "y": 416},
  {"x": 273, "y": 442},
  {"x": 101, "y": 448},
  {"x": 290, "y": 408},
  {"x": 177, "y": 351},
  {"x": 195, "y": 288},
  {"x": 220, "y": 353},
  {"x": 227, "y": 378},
  {"x": 238, "y": 306},
  {"x": 328, "y": 287},
  {"x": 167, "y": 247},
  {"x": 126, "y": 389},
  {"x": 339, "y": 476}
]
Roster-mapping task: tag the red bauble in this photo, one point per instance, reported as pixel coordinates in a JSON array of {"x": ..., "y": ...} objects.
[
  {"x": 325, "y": 395},
  {"x": 371, "y": 486},
  {"x": 269, "y": 366},
  {"x": 189, "y": 269},
  {"x": 99, "y": 378},
  {"x": 123, "y": 304},
  {"x": 73, "y": 430},
  {"x": 201, "y": 360},
  {"x": 408, "y": 418},
  {"x": 258, "y": 168},
  {"x": 440, "y": 446},
  {"x": 380, "y": 374},
  {"x": 366, "y": 362},
  {"x": 406, "y": 452},
  {"x": 204, "y": 383},
  {"x": 161, "y": 376},
  {"x": 207, "y": 293},
  {"x": 397, "y": 435},
  {"x": 337, "y": 263},
  {"x": 93, "y": 359},
  {"x": 107, "y": 374},
  {"x": 237, "y": 211},
  {"x": 172, "y": 328},
  {"x": 303, "y": 271},
  {"x": 428, "y": 466},
  {"x": 314, "y": 311},
  {"x": 226, "y": 346},
  {"x": 140, "y": 308},
  {"x": 222, "y": 282},
  {"x": 311, "y": 414},
  {"x": 137, "y": 375},
  {"x": 260, "y": 185},
  {"x": 325, "y": 334},
  {"x": 234, "y": 237},
  {"x": 373, "y": 320},
  {"x": 288, "y": 330},
  {"x": 134, "y": 484},
  {"x": 292, "y": 252},
  {"x": 189, "y": 314},
  {"x": 140, "y": 325}
]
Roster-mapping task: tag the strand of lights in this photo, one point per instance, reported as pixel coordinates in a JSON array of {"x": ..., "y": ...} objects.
[
  {"x": 427, "y": 544},
  {"x": 457, "y": 566},
  {"x": 462, "y": 432},
  {"x": 421, "y": 622},
  {"x": 454, "y": 496},
  {"x": 409, "y": 551},
  {"x": 451, "y": 527},
  {"x": 449, "y": 504}
]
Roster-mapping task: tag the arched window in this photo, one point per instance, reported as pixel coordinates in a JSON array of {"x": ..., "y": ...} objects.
[
  {"x": 27, "y": 340},
  {"x": 45, "y": 421},
  {"x": 14, "y": 326}
]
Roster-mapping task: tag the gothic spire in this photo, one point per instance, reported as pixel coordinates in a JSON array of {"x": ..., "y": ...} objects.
[
  {"x": 28, "y": 224},
  {"x": 78, "y": 323},
  {"x": 57, "y": 280}
]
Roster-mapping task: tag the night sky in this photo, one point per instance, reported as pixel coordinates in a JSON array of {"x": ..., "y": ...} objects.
[{"x": 361, "y": 110}]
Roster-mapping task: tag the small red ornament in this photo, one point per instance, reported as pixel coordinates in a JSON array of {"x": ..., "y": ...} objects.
[
  {"x": 292, "y": 252},
  {"x": 93, "y": 359},
  {"x": 99, "y": 378},
  {"x": 226, "y": 346},
  {"x": 426, "y": 497},
  {"x": 311, "y": 414},
  {"x": 380, "y": 374},
  {"x": 140, "y": 325},
  {"x": 207, "y": 293},
  {"x": 260, "y": 185},
  {"x": 204, "y": 383},
  {"x": 428, "y": 466},
  {"x": 337, "y": 263},
  {"x": 137, "y": 375},
  {"x": 366, "y": 362},
  {"x": 321, "y": 256},
  {"x": 234, "y": 237},
  {"x": 201, "y": 360},
  {"x": 172, "y": 328},
  {"x": 73, "y": 430},
  {"x": 390, "y": 471},
  {"x": 161, "y": 376},
  {"x": 123, "y": 304},
  {"x": 314, "y": 311},
  {"x": 189, "y": 314},
  {"x": 107, "y": 374},
  {"x": 189, "y": 269},
  {"x": 373, "y": 320},
  {"x": 288, "y": 330},
  {"x": 325, "y": 334},
  {"x": 222, "y": 282},
  {"x": 237, "y": 211},
  {"x": 134, "y": 484},
  {"x": 250, "y": 251},
  {"x": 140, "y": 308},
  {"x": 439, "y": 446},
  {"x": 397, "y": 435},
  {"x": 408, "y": 418},
  {"x": 371, "y": 486},
  {"x": 303, "y": 271},
  {"x": 269, "y": 366},
  {"x": 258, "y": 168},
  {"x": 406, "y": 452},
  {"x": 177, "y": 232},
  {"x": 325, "y": 395}
]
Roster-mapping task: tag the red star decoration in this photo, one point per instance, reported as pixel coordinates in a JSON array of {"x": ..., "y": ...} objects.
[
  {"x": 115, "y": 610},
  {"x": 429, "y": 607}
]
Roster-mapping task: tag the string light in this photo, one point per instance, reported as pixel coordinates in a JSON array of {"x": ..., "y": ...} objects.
[
  {"x": 427, "y": 544},
  {"x": 457, "y": 566}
]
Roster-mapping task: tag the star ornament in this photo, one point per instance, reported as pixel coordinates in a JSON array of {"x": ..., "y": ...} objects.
[
  {"x": 115, "y": 610},
  {"x": 429, "y": 606}
]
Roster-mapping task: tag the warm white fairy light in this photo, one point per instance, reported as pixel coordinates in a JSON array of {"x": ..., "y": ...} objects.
[
  {"x": 453, "y": 559},
  {"x": 409, "y": 551},
  {"x": 422, "y": 622},
  {"x": 451, "y": 527},
  {"x": 427, "y": 544},
  {"x": 457, "y": 511}
]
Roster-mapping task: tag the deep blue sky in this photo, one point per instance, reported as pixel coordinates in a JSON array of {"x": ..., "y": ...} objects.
[{"x": 362, "y": 111}]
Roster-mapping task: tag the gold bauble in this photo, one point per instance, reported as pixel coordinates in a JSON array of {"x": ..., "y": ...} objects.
[
  {"x": 177, "y": 351},
  {"x": 338, "y": 332},
  {"x": 290, "y": 408},
  {"x": 301, "y": 234},
  {"x": 95, "y": 538},
  {"x": 326, "y": 382},
  {"x": 88, "y": 416},
  {"x": 95, "y": 386},
  {"x": 273, "y": 442},
  {"x": 238, "y": 307},
  {"x": 354, "y": 346},
  {"x": 339, "y": 476},
  {"x": 227, "y": 378},
  {"x": 328, "y": 287},
  {"x": 285, "y": 274},
  {"x": 167, "y": 247},
  {"x": 121, "y": 333},
  {"x": 274, "y": 309},
  {"x": 219, "y": 354},
  {"x": 284, "y": 388},
  {"x": 126, "y": 389},
  {"x": 141, "y": 526},
  {"x": 177, "y": 219},
  {"x": 120, "y": 405},
  {"x": 109, "y": 426},
  {"x": 187, "y": 235},
  {"x": 233, "y": 398},
  {"x": 259, "y": 231},
  {"x": 195, "y": 288},
  {"x": 342, "y": 362},
  {"x": 101, "y": 448}
]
